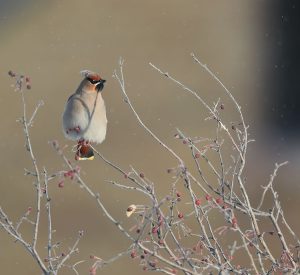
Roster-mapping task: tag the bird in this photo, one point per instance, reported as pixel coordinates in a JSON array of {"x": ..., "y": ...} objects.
[{"x": 84, "y": 118}]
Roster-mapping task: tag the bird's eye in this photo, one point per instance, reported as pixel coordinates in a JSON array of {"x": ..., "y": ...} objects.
[{"x": 93, "y": 81}]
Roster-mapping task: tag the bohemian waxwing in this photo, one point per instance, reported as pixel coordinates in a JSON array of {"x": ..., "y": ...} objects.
[{"x": 84, "y": 118}]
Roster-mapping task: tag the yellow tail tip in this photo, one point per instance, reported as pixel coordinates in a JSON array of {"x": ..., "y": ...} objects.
[{"x": 84, "y": 158}]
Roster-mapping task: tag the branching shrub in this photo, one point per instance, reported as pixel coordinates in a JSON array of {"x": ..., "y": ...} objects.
[{"x": 207, "y": 229}]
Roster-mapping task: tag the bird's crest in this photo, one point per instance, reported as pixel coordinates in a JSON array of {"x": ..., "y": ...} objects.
[{"x": 90, "y": 74}]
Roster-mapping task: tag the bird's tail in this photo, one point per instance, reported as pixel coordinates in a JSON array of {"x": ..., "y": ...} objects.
[{"x": 84, "y": 151}]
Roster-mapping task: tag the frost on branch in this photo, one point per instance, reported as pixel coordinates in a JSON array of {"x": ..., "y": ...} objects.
[{"x": 200, "y": 226}]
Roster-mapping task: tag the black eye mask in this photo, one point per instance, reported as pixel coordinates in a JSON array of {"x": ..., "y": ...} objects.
[
  {"x": 93, "y": 81},
  {"x": 100, "y": 85}
]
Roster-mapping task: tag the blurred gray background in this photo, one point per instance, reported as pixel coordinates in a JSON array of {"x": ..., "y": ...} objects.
[{"x": 251, "y": 45}]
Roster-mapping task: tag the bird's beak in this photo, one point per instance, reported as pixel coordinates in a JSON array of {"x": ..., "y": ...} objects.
[{"x": 100, "y": 85}]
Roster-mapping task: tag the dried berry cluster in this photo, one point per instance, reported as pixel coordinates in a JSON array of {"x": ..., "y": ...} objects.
[{"x": 20, "y": 80}]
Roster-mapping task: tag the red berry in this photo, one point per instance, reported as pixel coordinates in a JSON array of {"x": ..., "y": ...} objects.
[
  {"x": 142, "y": 175},
  {"x": 178, "y": 194},
  {"x": 133, "y": 254},
  {"x": 93, "y": 271},
  {"x": 184, "y": 141},
  {"x": 61, "y": 184},
  {"x": 218, "y": 200},
  {"x": 234, "y": 222},
  {"x": 180, "y": 215},
  {"x": 29, "y": 209},
  {"x": 77, "y": 129},
  {"x": 197, "y": 155},
  {"x": 11, "y": 73},
  {"x": 154, "y": 230},
  {"x": 152, "y": 264},
  {"x": 198, "y": 202},
  {"x": 208, "y": 197}
]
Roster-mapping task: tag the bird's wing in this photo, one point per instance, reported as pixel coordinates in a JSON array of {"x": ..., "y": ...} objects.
[
  {"x": 76, "y": 113},
  {"x": 71, "y": 96}
]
